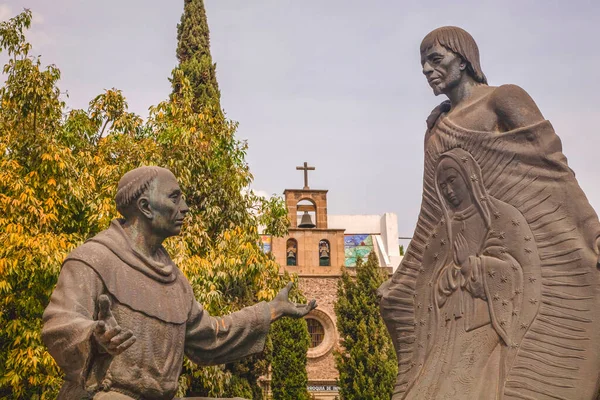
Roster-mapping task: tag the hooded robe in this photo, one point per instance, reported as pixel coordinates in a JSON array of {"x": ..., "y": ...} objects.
[
  {"x": 155, "y": 301},
  {"x": 557, "y": 354}
]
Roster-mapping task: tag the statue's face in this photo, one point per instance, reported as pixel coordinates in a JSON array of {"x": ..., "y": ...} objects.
[
  {"x": 166, "y": 205},
  {"x": 452, "y": 186},
  {"x": 442, "y": 68}
]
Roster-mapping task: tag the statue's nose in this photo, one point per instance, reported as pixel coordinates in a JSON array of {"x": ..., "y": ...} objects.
[{"x": 427, "y": 69}]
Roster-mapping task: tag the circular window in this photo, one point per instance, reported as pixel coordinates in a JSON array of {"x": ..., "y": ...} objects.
[
  {"x": 316, "y": 332},
  {"x": 322, "y": 332}
]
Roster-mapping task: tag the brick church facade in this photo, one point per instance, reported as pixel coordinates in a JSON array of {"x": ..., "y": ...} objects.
[{"x": 318, "y": 246}]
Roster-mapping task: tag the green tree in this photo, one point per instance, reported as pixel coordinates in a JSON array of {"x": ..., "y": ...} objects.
[
  {"x": 367, "y": 362},
  {"x": 220, "y": 197},
  {"x": 42, "y": 203},
  {"x": 193, "y": 53},
  {"x": 291, "y": 340},
  {"x": 58, "y": 177}
]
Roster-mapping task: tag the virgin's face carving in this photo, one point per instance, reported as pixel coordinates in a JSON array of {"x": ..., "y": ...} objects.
[{"x": 452, "y": 186}]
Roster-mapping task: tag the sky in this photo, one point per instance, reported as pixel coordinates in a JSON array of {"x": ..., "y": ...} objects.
[{"x": 336, "y": 83}]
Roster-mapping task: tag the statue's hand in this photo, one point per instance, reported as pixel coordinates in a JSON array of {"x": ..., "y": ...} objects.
[
  {"x": 108, "y": 333},
  {"x": 281, "y": 306},
  {"x": 461, "y": 250}
]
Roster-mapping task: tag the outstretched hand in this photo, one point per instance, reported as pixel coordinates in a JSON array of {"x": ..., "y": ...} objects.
[
  {"x": 108, "y": 333},
  {"x": 281, "y": 306}
]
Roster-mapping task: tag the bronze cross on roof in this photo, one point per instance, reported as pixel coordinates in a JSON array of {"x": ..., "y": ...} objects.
[{"x": 305, "y": 168}]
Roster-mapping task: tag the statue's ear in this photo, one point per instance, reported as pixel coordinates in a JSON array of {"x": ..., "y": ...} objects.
[{"x": 143, "y": 206}]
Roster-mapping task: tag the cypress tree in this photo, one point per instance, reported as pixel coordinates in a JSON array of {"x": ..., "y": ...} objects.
[
  {"x": 291, "y": 340},
  {"x": 193, "y": 53},
  {"x": 367, "y": 362}
]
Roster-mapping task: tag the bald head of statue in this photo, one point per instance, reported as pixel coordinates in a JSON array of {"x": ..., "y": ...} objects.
[{"x": 150, "y": 196}]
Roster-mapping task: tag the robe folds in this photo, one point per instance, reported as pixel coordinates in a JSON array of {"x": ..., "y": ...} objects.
[
  {"x": 548, "y": 335},
  {"x": 156, "y": 302}
]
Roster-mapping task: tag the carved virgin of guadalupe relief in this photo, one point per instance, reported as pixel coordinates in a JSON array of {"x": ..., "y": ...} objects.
[{"x": 496, "y": 296}]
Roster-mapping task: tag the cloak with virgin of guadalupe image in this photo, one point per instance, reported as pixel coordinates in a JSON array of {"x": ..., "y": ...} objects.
[
  {"x": 473, "y": 319},
  {"x": 540, "y": 223}
]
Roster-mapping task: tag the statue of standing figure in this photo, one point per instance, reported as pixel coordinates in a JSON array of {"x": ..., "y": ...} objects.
[
  {"x": 497, "y": 294},
  {"x": 123, "y": 315}
]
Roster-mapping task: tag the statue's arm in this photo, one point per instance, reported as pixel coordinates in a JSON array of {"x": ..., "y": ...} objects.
[
  {"x": 514, "y": 108},
  {"x": 69, "y": 318},
  {"x": 218, "y": 340}
]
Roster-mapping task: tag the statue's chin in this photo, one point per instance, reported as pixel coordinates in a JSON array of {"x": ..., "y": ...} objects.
[{"x": 437, "y": 91}]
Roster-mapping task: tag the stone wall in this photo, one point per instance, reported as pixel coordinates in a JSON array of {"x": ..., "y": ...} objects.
[{"x": 323, "y": 289}]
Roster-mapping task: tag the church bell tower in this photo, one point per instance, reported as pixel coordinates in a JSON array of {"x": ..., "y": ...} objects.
[{"x": 311, "y": 248}]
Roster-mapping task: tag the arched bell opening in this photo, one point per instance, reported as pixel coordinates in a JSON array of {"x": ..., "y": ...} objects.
[
  {"x": 291, "y": 252},
  {"x": 324, "y": 253},
  {"x": 306, "y": 214}
]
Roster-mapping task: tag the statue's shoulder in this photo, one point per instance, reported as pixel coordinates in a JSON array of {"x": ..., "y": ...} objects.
[
  {"x": 434, "y": 115},
  {"x": 89, "y": 252},
  {"x": 509, "y": 93},
  {"x": 514, "y": 107}
]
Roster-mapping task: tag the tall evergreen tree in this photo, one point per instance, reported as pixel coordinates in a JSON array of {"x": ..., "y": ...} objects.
[
  {"x": 193, "y": 53},
  {"x": 367, "y": 362},
  {"x": 290, "y": 340}
]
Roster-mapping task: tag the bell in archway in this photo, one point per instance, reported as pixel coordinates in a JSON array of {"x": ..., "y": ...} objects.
[{"x": 306, "y": 221}]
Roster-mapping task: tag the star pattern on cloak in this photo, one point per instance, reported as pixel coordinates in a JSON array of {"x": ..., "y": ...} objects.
[
  {"x": 527, "y": 238},
  {"x": 421, "y": 269},
  {"x": 527, "y": 250},
  {"x": 443, "y": 242},
  {"x": 532, "y": 279},
  {"x": 501, "y": 235},
  {"x": 465, "y": 159},
  {"x": 515, "y": 312},
  {"x": 422, "y": 322},
  {"x": 503, "y": 250},
  {"x": 523, "y": 325},
  {"x": 504, "y": 302},
  {"x": 496, "y": 297},
  {"x": 430, "y": 307},
  {"x": 483, "y": 199},
  {"x": 516, "y": 222},
  {"x": 474, "y": 178},
  {"x": 503, "y": 323},
  {"x": 436, "y": 256},
  {"x": 515, "y": 268},
  {"x": 504, "y": 279},
  {"x": 497, "y": 214},
  {"x": 418, "y": 305},
  {"x": 492, "y": 273},
  {"x": 428, "y": 335},
  {"x": 518, "y": 291},
  {"x": 420, "y": 344},
  {"x": 426, "y": 246},
  {"x": 533, "y": 301},
  {"x": 514, "y": 345},
  {"x": 434, "y": 234}
]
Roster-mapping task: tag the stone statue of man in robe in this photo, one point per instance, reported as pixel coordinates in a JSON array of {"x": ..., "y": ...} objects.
[
  {"x": 122, "y": 315},
  {"x": 497, "y": 295}
]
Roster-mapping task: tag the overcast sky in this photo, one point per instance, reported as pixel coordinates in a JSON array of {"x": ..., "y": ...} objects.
[{"x": 336, "y": 83}]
